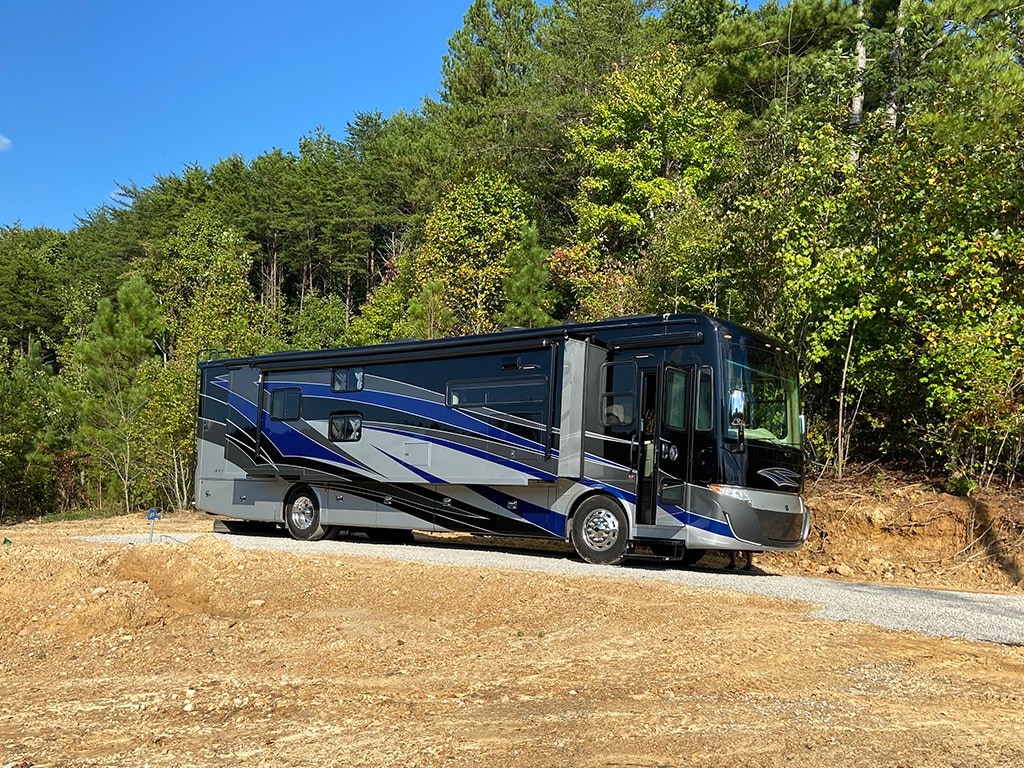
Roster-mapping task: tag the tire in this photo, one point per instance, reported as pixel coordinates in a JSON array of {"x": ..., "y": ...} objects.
[
  {"x": 600, "y": 531},
  {"x": 302, "y": 516}
]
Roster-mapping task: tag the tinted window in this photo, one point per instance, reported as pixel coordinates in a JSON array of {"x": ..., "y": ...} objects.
[
  {"x": 618, "y": 385},
  {"x": 347, "y": 380},
  {"x": 705, "y": 400},
  {"x": 675, "y": 398},
  {"x": 345, "y": 427},
  {"x": 497, "y": 393},
  {"x": 285, "y": 404},
  {"x": 518, "y": 406}
]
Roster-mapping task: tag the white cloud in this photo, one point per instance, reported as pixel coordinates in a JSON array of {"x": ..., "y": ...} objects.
[{"x": 5, "y": 143}]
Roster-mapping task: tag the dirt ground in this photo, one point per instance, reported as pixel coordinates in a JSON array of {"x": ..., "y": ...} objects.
[{"x": 203, "y": 654}]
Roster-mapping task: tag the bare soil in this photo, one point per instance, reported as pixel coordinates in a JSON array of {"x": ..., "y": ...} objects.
[{"x": 203, "y": 654}]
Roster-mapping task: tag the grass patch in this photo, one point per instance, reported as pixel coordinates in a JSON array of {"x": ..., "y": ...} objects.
[{"x": 80, "y": 514}]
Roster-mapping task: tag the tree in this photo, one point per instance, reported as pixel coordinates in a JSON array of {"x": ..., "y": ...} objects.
[
  {"x": 650, "y": 135},
  {"x": 29, "y": 295},
  {"x": 948, "y": 227},
  {"x": 528, "y": 295},
  {"x": 26, "y": 482},
  {"x": 490, "y": 58},
  {"x": 386, "y": 314},
  {"x": 112, "y": 375},
  {"x": 468, "y": 239},
  {"x": 783, "y": 57},
  {"x": 430, "y": 315},
  {"x": 654, "y": 144},
  {"x": 211, "y": 310}
]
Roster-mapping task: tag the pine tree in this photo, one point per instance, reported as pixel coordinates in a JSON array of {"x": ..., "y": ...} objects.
[
  {"x": 527, "y": 285},
  {"x": 115, "y": 364}
]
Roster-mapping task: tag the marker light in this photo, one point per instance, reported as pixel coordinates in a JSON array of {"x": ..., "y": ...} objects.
[{"x": 732, "y": 492}]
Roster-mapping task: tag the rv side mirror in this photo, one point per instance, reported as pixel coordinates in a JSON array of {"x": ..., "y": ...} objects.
[
  {"x": 738, "y": 411},
  {"x": 737, "y": 408}
]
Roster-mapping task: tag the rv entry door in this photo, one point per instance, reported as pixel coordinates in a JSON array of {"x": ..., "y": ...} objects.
[
  {"x": 646, "y": 457},
  {"x": 675, "y": 435}
]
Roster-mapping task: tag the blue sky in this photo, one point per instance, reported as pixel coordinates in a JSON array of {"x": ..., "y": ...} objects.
[{"x": 96, "y": 93}]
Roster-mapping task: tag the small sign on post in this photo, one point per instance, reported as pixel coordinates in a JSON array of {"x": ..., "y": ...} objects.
[{"x": 153, "y": 516}]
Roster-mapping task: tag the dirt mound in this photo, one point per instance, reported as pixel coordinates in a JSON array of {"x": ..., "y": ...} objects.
[
  {"x": 188, "y": 579},
  {"x": 888, "y": 528}
]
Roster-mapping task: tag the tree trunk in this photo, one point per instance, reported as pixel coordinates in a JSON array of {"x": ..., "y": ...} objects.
[
  {"x": 843, "y": 442},
  {"x": 857, "y": 105},
  {"x": 892, "y": 109}
]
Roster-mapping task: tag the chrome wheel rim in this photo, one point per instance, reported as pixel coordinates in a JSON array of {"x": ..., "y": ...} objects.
[
  {"x": 600, "y": 529},
  {"x": 302, "y": 513}
]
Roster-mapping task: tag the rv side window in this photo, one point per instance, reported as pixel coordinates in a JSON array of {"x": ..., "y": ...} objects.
[
  {"x": 618, "y": 386},
  {"x": 285, "y": 404},
  {"x": 497, "y": 393},
  {"x": 510, "y": 406},
  {"x": 345, "y": 427},
  {"x": 704, "y": 400},
  {"x": 347, "y": 380}
]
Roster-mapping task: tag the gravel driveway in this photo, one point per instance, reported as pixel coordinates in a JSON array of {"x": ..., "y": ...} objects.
[{"x": 986, "y": 617}]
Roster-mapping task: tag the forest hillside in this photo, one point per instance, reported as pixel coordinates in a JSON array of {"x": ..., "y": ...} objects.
[{"x": 845, "y": 174}]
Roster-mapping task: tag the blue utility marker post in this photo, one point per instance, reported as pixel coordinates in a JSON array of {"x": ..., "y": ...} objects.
[{"x": 153, "y": 516}]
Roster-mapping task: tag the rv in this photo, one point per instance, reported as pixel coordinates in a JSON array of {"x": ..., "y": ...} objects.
[{"x": 675, "y": 433}]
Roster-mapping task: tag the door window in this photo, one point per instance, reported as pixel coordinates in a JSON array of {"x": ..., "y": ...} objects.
[
  {"x": 675, "y": 399},
  {"x": 618, "y": 382},
  {"x": 705, "y": 421}
]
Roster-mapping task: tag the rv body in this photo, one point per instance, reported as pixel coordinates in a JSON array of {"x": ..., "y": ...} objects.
[{"x": 681, "y": 433}]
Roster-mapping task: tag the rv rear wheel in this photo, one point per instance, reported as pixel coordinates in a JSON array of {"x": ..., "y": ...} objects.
[
  {"x": 600, "y": 531},
  {"x": 302, "y": 516}
]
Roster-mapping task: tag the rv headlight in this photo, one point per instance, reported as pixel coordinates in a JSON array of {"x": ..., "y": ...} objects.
[{"x": 732, "y": 492}]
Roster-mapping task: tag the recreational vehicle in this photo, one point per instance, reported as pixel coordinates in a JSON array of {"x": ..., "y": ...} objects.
[{"x": 675, "y": 433}]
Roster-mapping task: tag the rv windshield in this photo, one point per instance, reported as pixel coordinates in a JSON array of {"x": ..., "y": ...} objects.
[{"x": 762, "y": 392}]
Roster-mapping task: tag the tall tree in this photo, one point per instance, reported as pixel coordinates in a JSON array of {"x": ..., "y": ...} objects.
[
  {"x": 656, "y": 141},
  {"x": 111, "y": 376},
  {"x": 27, "y": 484},
  {"x": 210, "y": 310},
  {"x": 29, "y": 288},
  {"x": 783, "y": 57},
  {"x": 468, "y": 239},
  {"x": 528, "y": 294}
]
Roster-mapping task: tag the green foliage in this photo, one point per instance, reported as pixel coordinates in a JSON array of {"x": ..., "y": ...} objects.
[
  {"x": 656, "y": 151},
  {"x": 29, "y": 304},
  {"x": 783, "y": 56},
  {"x": 585, "y": 158},
  {"x": 649, "y": 137},
  {"x": 321, "y": 322},
  {"x": 430, "y": 315},
  {"x": 385, "y": 315},
  {"x": 111, "y": 384},
  {"x": 468, "y": 239},
  {"x": 527, "y": 292},
  {"x": 27, "y": 486},
  {"x": 953, "y": 258}
]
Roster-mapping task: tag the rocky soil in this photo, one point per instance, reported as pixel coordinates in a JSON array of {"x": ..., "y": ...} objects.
[{"x": 204, "y": 654}]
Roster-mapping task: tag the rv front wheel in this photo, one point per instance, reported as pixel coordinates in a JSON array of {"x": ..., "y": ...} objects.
[
  {"x": 600, "y": 532},
  {"x": 302, "y": 516}
]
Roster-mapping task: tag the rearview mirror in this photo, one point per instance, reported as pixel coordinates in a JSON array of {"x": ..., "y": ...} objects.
[
  {"x": 738, "y": 415},
  {"x": 737, "y": 408}
]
